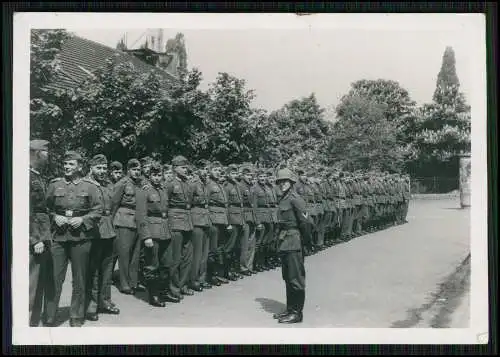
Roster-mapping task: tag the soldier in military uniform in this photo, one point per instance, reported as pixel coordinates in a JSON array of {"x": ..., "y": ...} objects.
[
  {"x": 264, "y": 216},
  {"x": 406, "y": 196},
  {"x": 116, "y": 171},
  {"x": 271, "y": 258},
  {"x": 319, "y": 197},
  {"x": 101, "y": 252},
  {"x": 218, "y": 212},
  {"x": 154, "y": 232},
  {"x": 303, "y": 188},
  {"x": 75, "y": 208},
  {"x": 123, "y": 214},
  {"x": 40, "y": 237},
  {"x": 292, "y": 216},
  {"x": 236, "y": 219},
  {"x": 251, "y": 223},
  {"x": 181, "y": 224},
  {"x": 201, "y": 224}
]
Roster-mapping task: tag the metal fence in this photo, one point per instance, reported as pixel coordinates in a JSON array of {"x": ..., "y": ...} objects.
[{"x": 434, "y": 184}]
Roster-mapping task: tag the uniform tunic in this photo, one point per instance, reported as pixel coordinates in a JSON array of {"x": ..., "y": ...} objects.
[{"x": 72, "y": 198}]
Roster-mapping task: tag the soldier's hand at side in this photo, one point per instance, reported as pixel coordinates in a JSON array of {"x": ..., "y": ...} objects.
[
  {"x": 148, "y": 243},
  {"x": 229, "y": 227},
  {"x": 260, "y": 226},
  {"x": 60, "y": 220},
  {"x": 39, "y": 248},
  {"x": 76, "y": 222}
]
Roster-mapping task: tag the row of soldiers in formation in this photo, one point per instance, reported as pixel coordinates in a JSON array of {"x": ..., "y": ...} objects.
[{"x": 175, "y": 229}]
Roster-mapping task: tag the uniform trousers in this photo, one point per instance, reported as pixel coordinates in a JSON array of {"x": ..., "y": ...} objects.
[
  {"x": 100, "y": 274},
  {"x": 294, "y": 274},
  {"x": 39, "y": 282},
  {"x": 159, "y": 260},
  {"x": 182, "y": 256},
  {"x": 201, "y": 248},
  {"x": 76, "y": 252},
  {"x": 128, "y": 247},
  {"x": 247, "y": 252}
]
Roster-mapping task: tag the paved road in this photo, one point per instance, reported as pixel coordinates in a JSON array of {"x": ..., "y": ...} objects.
[{"x": 383, "y": 279}]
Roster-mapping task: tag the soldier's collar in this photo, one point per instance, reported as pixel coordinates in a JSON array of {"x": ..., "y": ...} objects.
[
  {"x": 35, "y": 171},
  {"x": 180, "y": 178},
  {"x": 75, "y": 181}
]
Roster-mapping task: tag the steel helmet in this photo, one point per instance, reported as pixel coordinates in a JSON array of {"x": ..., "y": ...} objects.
[{"x": 285, "y": 174}]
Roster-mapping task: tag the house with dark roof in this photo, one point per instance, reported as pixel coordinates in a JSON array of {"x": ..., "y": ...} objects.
[{"x": 81, "y": 57}]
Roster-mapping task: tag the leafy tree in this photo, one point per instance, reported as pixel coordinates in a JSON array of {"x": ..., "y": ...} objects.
[
  {"x": 47, "y": 105},
  {"x": 226, "y": 133},
  {"x": 443, "y": 126},
  {"x": 297, "y": 129},
  {"x": 363, "y": 138}
]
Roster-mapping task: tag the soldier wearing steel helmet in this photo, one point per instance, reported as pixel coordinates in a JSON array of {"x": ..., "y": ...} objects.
[{"x": 292, "y": 217}]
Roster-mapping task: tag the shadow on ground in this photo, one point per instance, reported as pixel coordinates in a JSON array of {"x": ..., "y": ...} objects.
[{"x": 271, "y": 306}]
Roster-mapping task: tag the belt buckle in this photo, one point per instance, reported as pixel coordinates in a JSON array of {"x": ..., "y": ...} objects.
[
  {"x": 106, "y": 212},
  {"x": 164, "y": 214},
  {"x": 188, "y": 206},
  {"x": 69, "y": 213},
  {"x": 206, "y": 205}
]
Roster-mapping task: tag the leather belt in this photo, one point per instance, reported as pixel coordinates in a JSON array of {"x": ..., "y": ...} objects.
[
  {"x": 186, "y": 206},
  {"x": 201, "y": 206},
  {"x": 218, "y": 205},
  {"x": 236, "y": 205},
  {"x": 158, "y": 214},
  {"x": 72, "y": 213}
]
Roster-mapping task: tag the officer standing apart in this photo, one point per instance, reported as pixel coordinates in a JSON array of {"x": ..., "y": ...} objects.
[
  {"x": 292, "y": 218},
  {"x": 75, "y": 208},
  {"x": 39, "y": 231},
  {"x": 101, "y": 253}
]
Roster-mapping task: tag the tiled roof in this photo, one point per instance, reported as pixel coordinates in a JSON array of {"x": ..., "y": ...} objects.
[{"x": 80, "y": 57}]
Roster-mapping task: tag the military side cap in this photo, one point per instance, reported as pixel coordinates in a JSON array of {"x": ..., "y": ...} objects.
[
  {"x": 39, "y": 144},
  {"x": 156, "y": 167},
  {"x": 98, "y": 159},
  {"x": 167, "y": 167},
  {"x": 201, "y": 164},
  {"x": 146, "y": 161},
  {"x": 133, "y": 163},
  {"x": 300, "y": 171},
  {"x": 179, "y": 161},
  {"x": 116, "y": 165},
  {"x": 215, "y": 164},
  {"x": 232, "y": 167},
  {"x": 72, "y": 155},
  {"x": 270, "y": 172},
  {"x": 246, "y": 169}
]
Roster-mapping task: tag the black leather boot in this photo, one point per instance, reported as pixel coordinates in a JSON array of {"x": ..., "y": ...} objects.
[{"x": 282, "y": 314}]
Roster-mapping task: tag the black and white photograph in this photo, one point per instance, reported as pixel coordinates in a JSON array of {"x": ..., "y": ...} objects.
[{"x": 249, "y": 178}]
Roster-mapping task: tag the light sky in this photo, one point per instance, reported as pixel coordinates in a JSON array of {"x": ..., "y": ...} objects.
[{"x": 284, "y": 64}]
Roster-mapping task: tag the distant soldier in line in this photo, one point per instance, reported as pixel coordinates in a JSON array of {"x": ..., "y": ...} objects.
[
  {"x": 304, "y": 189},
  {"x": 201, "y": 224},
  {"x": 101, "y": 252},
  {"x": 146, "y": 163},
  {"x": 271, "y": 259},
  {"x": 264, "y": 216},
  {"x": 123, "y": 214},
  {"x": 292, "y": 215},
  {"x": 181, "y": 224},
  {"x": 168, "y": 174},
  {"x": 154, "y": 232},
  {"x": 236, "y": 220},
  {"x": 407, "y": 196},
  {"x": 217, "y": 207},
  {"x": 319, "y": 198},
  {"x": 39, "y": 228},
  {"x": 251, "y": 222},
  {"x": 116, "y": 171},
  {"x": 75, "y": 208}
]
